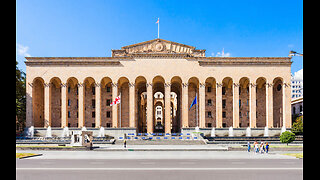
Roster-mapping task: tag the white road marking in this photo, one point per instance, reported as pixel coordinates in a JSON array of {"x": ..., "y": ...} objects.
[{"x": 157, "y": 169}]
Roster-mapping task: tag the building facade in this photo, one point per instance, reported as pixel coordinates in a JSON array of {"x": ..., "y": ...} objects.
[
  {"x": 158, "y": 76},
  {"x": 297, "y": 85}
]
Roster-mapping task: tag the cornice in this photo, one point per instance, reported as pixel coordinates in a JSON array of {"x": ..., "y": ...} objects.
[{"x": 208, "y": 61}]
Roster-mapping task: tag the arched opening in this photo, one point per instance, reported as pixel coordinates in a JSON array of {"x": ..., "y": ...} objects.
[
  {"x": 89, "y": 102},
  {"x": 210, "y": 107},
  {"x": 38, "y": 102},
  {"x": 176, "y": 100},
  {"x": 123, "y": 89},
  {"x": 106, "y": 100},
  {"x": 227, "y": 102},
  {"x": 158, "y": 96},
  {"x": 244, "y": 104},
  {"x": 141, "y": 104},
  {"x": 277, "y": 102},
  {"x": 55, "y": 102},
  {"x": 72, "y": 102},
  {"x": 193, "y": 112},
  {"x": 261, "y": 120}
]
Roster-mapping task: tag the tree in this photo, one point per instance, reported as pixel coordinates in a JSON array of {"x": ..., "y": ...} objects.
[
  {"x": 297, "y": 127},
  {"x": 287, "y": 137},
  {"x": 20, "y": 97}
]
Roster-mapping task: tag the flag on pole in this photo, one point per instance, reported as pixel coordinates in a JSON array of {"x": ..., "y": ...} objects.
[
  {"x": 193, "y": 102},
  {"x": 116, "y": 101},
  {"x": 157, "y": 21}
]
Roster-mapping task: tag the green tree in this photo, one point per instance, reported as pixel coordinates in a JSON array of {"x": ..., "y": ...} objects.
[
  {"x": 297, "y": 127},
  {"x": 287, "y": 137},
  {"x": 20, "y": 97}
]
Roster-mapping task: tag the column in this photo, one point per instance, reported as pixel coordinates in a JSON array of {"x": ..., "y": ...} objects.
[
  {"x": 202, "y": 105},
  {"x": 131, "y": 105},
  {"x": 219, "y": 105},
  {"x": 286, "y": 103},
  {"x": 98, "y": 105},
  {"x": 81, "y": 110},
  {"x": 253, "y": 105},
  {"x": 29, "y": 105},
  {"x": 64, "y": 101},
  {"x": 114, "y": 107},
  {"x": 235, "y": 105},
  {"x": 269, "y": 105},
  {"x": 47, "y": 109},
  {"x": 167, "y": 108},
  {"x": 149, "y": 108},
  {"x": 184, "y": 105}
]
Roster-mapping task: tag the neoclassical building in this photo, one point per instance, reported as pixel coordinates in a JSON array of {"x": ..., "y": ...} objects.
[{"x": 158, "y": 80}]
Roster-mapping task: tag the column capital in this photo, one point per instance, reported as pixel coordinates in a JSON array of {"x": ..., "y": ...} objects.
[
  {"x": 97, "y": 84},
  {"x": 47, "y": 84},
  {"x": 149, "y": 84},
  {"x": 269, "y": 85},
  {"x": 253, "y": 85},
  {"x": 219, "y": 84},
  {"x": 202, "y": 85},
  {"x": 30, "y": 84},
  {"x": 63, "y": 84},
  {"x": 286, "y": 85},
  {"x": 236, "y": 84},
  {"x": 114, "y": 84},
  {"x": 80, "y": 84},
  {"x": 131, "y": 84},
  {"x": 167, "y": 84},
  {"x": 185, "y": 84}
]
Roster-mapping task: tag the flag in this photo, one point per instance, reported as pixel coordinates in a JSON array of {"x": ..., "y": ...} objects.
[
  {"x": 193, "y": 102},
  {"x": 116, "y": 101},
  {"x": 157, "y": 21}
]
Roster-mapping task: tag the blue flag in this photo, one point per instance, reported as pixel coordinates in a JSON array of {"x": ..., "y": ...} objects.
[{"x": 193, "y": 102}]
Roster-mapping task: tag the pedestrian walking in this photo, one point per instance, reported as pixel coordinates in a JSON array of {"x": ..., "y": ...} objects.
[
  {"x": 256, "y": 148},
  {"x": 249, "y": 147},
  {"x": 261, "y": 148},
  {"x": 124, "y": 143},
  {"x": 267, "y": 147}
]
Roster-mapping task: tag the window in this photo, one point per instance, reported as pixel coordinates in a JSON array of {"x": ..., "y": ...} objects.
[
  {"x": 108, "y": 88},
  {"x": 93, "y": 124},
  {"x": 240, "y": 115},
  {"x": 209, "y": 124},
  {"x": 69, "y": 102},
  {"x": 209, "y": 114},
  {"x": 69, "y": 114},
  {"x": 239, "y": 103},
  {"x": 224, "y": 124},
  {"x": 224, "y": 114},
  {"x": 223, "y": 103},
  {"x": 223, "y": 90},
  {"x": 68, "y": 89},
  {"x": 93, "y": 90},
  {"x": 108, "y": 114},
  {"x": 93, "y": 103},
  {"x": 69, "y": 124},
  {"x": 209, "y": 89},
  {"x": 77, "y": 116},
  {"x": 108, "y": 102},
  {"x": 209, "y": 102},
  {"x": 93, "y": 114},
  {"x": 108, "y": 124},
  {"x": 279, "y": 87}
]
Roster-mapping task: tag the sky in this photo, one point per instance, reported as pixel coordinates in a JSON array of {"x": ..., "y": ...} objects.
[{"x": 91, "y": 28}]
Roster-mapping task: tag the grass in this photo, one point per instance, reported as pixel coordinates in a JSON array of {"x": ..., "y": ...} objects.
[
  {"x": 297, "y": 155},
  {"x": 21, "y": 155}
]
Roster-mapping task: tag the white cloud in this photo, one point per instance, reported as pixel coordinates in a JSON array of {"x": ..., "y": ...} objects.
[
  {"x": 221, "y": 54},
  {"x": 22, "y": 50},
  {"x": 298, "y": 75}
]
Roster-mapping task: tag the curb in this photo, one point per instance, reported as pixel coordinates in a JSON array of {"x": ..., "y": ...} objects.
[{"x": 30, "y": 156}]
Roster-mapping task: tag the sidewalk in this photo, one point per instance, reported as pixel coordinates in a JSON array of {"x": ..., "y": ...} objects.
[{"x": 109, "y": 147}]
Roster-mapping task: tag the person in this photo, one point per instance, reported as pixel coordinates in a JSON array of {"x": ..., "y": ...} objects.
[
  {"x": 249, "y": 147},
  {"x": 257, "y": 148},
  {"x": 267, "y": 147},
  {"x": 125, "y": 143},
  {"x": 261, "y": 148}
]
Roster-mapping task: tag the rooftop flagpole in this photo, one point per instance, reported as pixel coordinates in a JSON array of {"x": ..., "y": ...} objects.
[{"x": 158, "y": 27}]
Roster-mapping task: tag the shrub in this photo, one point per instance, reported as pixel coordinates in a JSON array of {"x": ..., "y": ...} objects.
[
  {"x": 287, "y": 137},
  {"x": 297, "y": 127}
]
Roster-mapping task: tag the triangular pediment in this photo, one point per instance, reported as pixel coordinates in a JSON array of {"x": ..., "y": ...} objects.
[{"x": 158, "y": 47}]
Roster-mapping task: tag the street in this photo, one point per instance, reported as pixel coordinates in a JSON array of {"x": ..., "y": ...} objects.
[{"x": 164, "y": 165}]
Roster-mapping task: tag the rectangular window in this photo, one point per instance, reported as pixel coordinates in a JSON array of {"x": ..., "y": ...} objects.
[
  {"x": 209, "y": 114},
  {"x": 108, "y": 89},
  {"x": 69, "y": 102},
  {"x": 69, "y": 124},
  {"x": 69, "y": 114},
  {"x": 209, "y": 89},
  {"x": 224, "y": 115},
  {"x": 93, "y": 103},
  {"x": 108, "y": 102},
  {"x": 108, "y": 124},
  {"x": 108, "y": 114},
  {"x": 93, "y": 114},
  {"x": 224, "y": 124},
  {"x": 93, "y": 124},
  {"x": 209, "y": 102},
  {"x": 223, "y": 103},
  {"x": 223, "y": 91},
  {"x": 239, "y": 103},
  {"x": 68, "y": 89},
  {"x": 93, "y": 90},
  {"x": 209, "y": 125}
]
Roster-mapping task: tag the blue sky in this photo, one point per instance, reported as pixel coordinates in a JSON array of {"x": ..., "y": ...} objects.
[{"x": 83, "y": 28}]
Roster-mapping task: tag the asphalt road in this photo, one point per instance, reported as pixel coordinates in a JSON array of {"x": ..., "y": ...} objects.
[{"x": 162, "y": 169}]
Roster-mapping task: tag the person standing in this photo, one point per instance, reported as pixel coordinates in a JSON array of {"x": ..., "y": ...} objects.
[
  {"x": 249, "y": 147},
  {"x": 267, "y": 147},
  {"x": 124, "y": 143}
]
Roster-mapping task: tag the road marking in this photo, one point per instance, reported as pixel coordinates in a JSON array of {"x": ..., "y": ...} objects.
[{"x": 157, "y": 169}]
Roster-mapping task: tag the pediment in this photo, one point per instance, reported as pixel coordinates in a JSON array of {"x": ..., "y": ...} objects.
[{"x": 158, "y": 47}]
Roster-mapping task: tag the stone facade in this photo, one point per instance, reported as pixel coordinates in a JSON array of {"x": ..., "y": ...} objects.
[{"x": 232, "y": 91}]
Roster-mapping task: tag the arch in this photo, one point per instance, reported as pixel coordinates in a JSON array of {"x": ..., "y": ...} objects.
[
  {"x": 227, "y": 102},
  {"x": 210, "y": 104},
  {"x": 261, "y": 120},
  {"x": 38, "y": 102},
  {"x": 141, "y": 102},
  {"x": 89, "y": 102},
  {"x": 244, "y": 104},
  {"x": 175, "y": 105},
  {"x": 123, "y": 89},
  {"x": 55, "y": 102},
  {"x": 72, "y": 102},
  {"x": 193, "y": 90},
  {"x": 277, "y": 102},
  {"x": 106, "y": 99}
]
